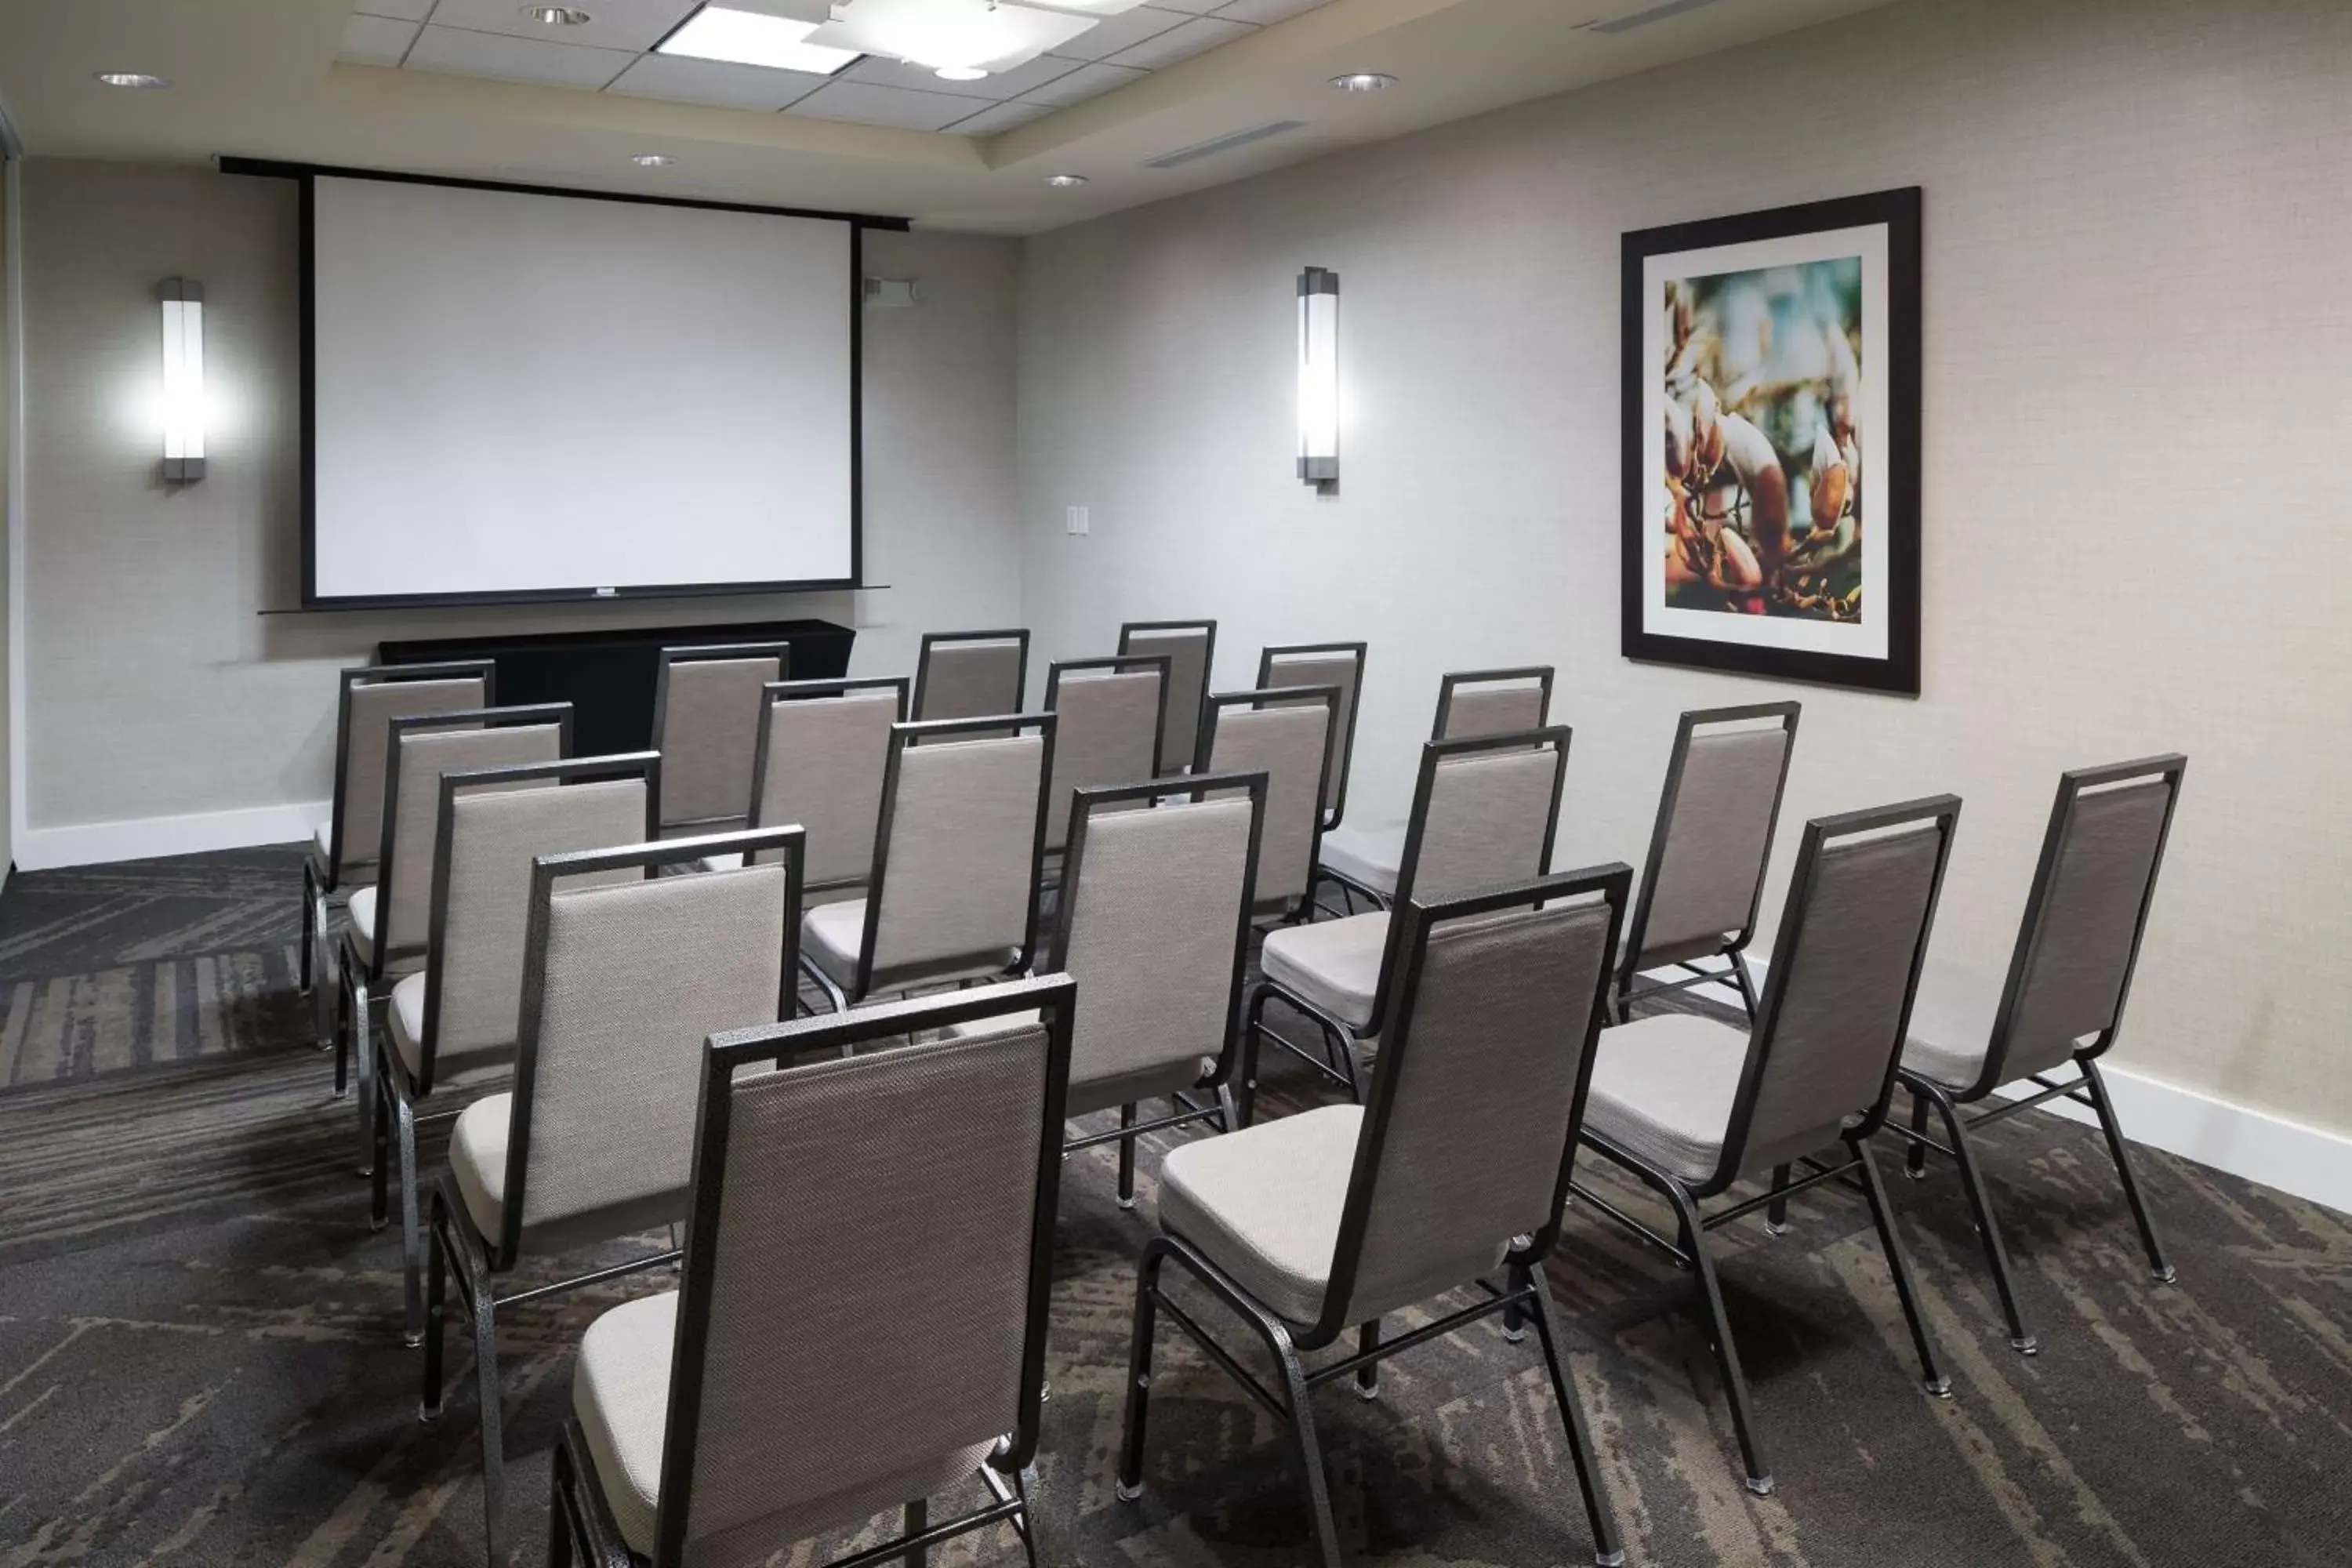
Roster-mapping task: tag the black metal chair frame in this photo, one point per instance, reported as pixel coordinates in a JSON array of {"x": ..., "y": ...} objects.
[
  {"x": 1344, "y": 724},
  {"x": 1733, "y": 953},
  {"x": 1525, "y": 1291},
  {"x": 1688, "y": 1248},
  {"x": 477, "y": 1261},
  {"x": 1208, "y": 629},
  {"x": 582, "y": 1520},
  {"x": 399, "y": 1091},
  {"x": 923, "y": 666},
  {"x": 322, "y": 879},
  {"x": 360, "y": 981},
  {"x": 987, "y": 726},
  {"x": 2088, "y": 1088},
  {"x": 703, "y": 653},
  {"x": 1218, "y": 1085},
  {"x": 1212, "y": 708},
  {"x": 1340, "y": 1037}
]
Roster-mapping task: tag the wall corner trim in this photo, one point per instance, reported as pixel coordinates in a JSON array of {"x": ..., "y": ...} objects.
[{"x": 99, "y": 843}]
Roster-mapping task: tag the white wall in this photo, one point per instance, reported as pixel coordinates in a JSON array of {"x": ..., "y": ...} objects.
[
  {"x": 153, "y": 688},
  {"x": 2138, "y": 337}
]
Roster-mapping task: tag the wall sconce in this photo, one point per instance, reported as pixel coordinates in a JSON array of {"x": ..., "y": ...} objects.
[
  {"x": 1319, "y": 377},
  {"x": 183, "y": 380}
]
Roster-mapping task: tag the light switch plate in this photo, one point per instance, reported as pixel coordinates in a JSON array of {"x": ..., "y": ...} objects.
[{"x": 1075, "y": 518}]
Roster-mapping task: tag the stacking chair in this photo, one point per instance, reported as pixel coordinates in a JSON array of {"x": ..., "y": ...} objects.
[
  {"x": 1340, "y": 664},
  {"x": 1191, "y": 650},
  {"x": 823, "y": 745},
  {"x": 342, "y": 852},
  {"x": 951, "y": 896},
  {"x": 705, "y": 726},
  {"x": 1154, "y": 925},
  {"x": 1457, "y": 1171},
  {"x": 1691, "y": 1106},
  {"x": 622, "y": 983},
  {"x": 2069, "y": 976},
  {"x": 388, "y": 927},
  {"x": 1364, "y": 861},
  {"x": 1109, "y": 716},
  {"x": 817, "y": 1366},
  {"x": 966, "y": 675},
  {"x": 456, "y": 1016},
  {"x": 1287, "y": 737},
  {"x": 1704, "y": 875},
  {"x": 1484, "y": 811}
]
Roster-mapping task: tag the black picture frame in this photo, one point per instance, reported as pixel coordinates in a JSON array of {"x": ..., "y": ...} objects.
[{"x": 1897, "y": 360}]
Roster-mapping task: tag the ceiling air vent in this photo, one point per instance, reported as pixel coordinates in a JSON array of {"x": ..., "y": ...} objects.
[
  {"x": 1225, "y": 144},
  {"x": 1643, "y": 17}
]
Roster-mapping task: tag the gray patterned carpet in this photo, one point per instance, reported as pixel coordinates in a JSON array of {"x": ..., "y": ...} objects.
[{"x": 199, "y": 1361}]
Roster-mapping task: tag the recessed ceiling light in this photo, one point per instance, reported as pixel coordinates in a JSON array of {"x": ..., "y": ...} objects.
[
  {"x": 752, "y": 38},
  {"x": 959, "y": 73},
  {"x": 130, "y": 78},
  {"x": 1065, "y": 182},
  {"x": 555, "y": 16},
  {"x": 652, "y": 160},
  {"x": 1362, "y": 81}
]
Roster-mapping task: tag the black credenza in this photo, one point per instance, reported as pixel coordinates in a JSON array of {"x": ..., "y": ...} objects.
[{"x": 608, "y": 677}]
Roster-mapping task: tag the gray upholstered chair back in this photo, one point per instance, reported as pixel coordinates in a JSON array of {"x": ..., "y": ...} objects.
[
  {"x": 867, "y": 1268},
  {"x": 1154, "y": 926},
  {"x": 473, "y": 984},
  {"x": 1333, "y": 663},
  {"x": 413, "y": 802},
  {"x": 1481, "y": 1085},
  {"x": 956, "y": 875},
  {"x": 1188, "y": 649},
  {"x": 2081, "y": 937},
  {"x": 372, "y": 704},
  {"x": 1484, "y": 813},
  {"x": 970, "y": 674},
  {"x": 1473, "y": 703},
  {"x": 1714, "y": 836},
  {"x": 821, "y": 765},
  {"x": 1287, "y": 743},
  {"x": 622, "y": 985},
  {"x": 1837, "y": 999},
  {"x": 1106, "y": 731},
  {"x": 706, "y": 728}
]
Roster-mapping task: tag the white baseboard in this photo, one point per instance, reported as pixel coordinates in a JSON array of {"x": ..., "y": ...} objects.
[
  {"x": 2308, "y": 1161},
  {"x": 97, "y": 842}
]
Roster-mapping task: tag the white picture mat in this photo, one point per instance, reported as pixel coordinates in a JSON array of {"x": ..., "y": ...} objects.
[
  {"x": 1866, "y": 639},
  {"x": 519, "y": 393}
]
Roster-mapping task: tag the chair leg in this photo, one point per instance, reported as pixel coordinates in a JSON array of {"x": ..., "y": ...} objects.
[
  {"x": 360, "y": 1027},
  {"x": 918, "y": 1519},
  {"x": 1228, "y": 1115},
  {"x": 1899, "y": 1265},
  {"x": 494, "y": 1456},
  {"x": 412, "y": 1329},
  {"x": 1747, "y": 983},
  {"x": 1310, "y": 1451},
  {"x": 323, "y": 994},
  {"x": 1368, "y": 1377},
  {"x": 1776, "y": 1213},
  {"x": 1348, "y": 1059},
  {"x": 1726, "y": 1355},
  {"x": 1915, "y": 1158},
  {"x": 378, "y": 1168},
  {"x": 303, "y": 979},
  {"x": 2157, "y": 1263},
  {"x": 436, "y": 1309},
  {"x": 1608, "y": 1550},
  {"x": 1024, "y": 1486},
  {"x": 1139, "y": 1375},
  {"x": 1252, "y": 1026},
  {"x": 2021, "y": 1339},
  {"x": 338, "y": 1022},
  {"x": 559, "y": 1525},
  {"x": 1127, "y": 1156}
]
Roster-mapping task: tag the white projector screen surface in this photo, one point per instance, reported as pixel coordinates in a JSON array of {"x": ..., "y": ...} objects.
[{"x": 517, "y": 393}]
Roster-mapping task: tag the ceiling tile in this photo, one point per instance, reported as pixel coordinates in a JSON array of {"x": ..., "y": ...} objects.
[
  {"x": 999, "y": 117},
  {"x": 1113, "y": 34},
  {"x": 1193, "y": 7},
  {"x": 1196, "y": 37},
  {"x": 1263, "y": 12},
  {"x": 997, "y": 85},
  {"x": 454, "y": 49},
  {"x": 405, "y": 10},
  {"x": 871, "y": 105},
  {"x": 376, "y": 40},
  {"x": 610, "y": 24},
  {"x": 1087, "y": 81},
  {"x": 683, "y": 80}
]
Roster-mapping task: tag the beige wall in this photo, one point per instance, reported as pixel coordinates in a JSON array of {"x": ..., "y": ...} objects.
[
  {"x": 2138, "y": 338},
  {"x": 155, "y": 689}
]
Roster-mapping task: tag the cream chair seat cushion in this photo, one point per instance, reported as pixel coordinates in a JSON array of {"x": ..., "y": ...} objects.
[
  {"x": 1368, "y": 857},
  {"x": 407, "y": 1018},
  {"x": 620, "y": 1392},
  {"x": 477, "y": 1158},
  {"x": 1263, "y": 1204},
  {"x": 362, "y": 922},
  {"x": 1951, "y": 1027},
  {"x": 1333, "y": 964},
  {"x": 1662, "y": 1089}
]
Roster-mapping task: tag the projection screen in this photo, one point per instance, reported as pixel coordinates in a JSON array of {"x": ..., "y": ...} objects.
[{"x": 517, "y": 394}]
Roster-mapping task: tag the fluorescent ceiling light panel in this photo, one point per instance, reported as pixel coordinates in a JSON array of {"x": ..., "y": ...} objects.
[
  {"x": 949, "y": 35},
  {"x": 1089, "y": 7},
  {"x": 750, "y": 38}
]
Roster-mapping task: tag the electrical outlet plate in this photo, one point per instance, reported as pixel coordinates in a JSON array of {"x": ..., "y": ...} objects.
[{"x": 1075, "y": 519}]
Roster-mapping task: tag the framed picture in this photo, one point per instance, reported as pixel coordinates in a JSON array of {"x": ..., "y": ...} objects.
[{"x": 1771, "y": 443}]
